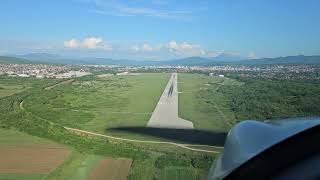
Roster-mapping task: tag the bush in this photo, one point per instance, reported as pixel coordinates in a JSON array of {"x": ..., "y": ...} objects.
[
  {"x": 173, "y": 160},
  {"x": 202, "y": 161}
]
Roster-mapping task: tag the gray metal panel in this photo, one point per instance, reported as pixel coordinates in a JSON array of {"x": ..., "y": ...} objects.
[{"x": 249, "y": 138}]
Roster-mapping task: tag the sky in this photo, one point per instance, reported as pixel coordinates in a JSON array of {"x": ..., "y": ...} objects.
[{"x": 160, "y": 29}]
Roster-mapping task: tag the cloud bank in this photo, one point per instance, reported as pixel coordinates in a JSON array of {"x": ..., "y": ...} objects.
[
  {"x": 169, "y": 49},
  {"x": 88, "y": 43},
  {"x": 149, "y": 8}
]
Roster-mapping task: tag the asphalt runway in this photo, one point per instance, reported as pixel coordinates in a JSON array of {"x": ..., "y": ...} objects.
[{"x": 165, "y": 115}]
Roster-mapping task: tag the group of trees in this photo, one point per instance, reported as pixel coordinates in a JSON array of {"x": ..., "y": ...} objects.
[
  {"x": 272, "y": 99},
  {"x": 184, "y": 160}
]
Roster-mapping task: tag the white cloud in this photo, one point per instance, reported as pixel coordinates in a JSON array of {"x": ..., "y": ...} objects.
[
  {"x": 138, "y": 8},
  {"x": 147, "y": 48},
  {"x": 72, "y": 43},
  {"x": 185, "y": 49},
  {"x": 135, "y": 48},
  {"x": 143, "y": 48},
  {"x": 92, "y": 42},
  {"x": 252, "y": 55},
  {"x": 88, "y": 43}
]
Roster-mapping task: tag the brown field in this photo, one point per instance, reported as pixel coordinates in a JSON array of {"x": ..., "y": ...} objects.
[
  {"x": 31, "y": 159},
  {"x": 111, "y": 169}
]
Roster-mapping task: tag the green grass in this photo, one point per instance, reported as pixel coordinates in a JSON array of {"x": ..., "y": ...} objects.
[
  {"x": 148, "y": 166},
  {"x": 184, "y": 173},
  {"x": 22, "y": 176},
  {"x": 95, "y": 104},
  {"x": 77, "y": 167},
  {"x": 13, "y": 85},
  {"x": 8, "y": 89},
  {"x": 12, "y": 137},
  {"x": 201, "y": 103},
  {"x": 86, "y": 167}
]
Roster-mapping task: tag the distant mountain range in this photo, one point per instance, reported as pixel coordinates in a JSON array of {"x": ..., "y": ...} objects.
[
  {"x": 222, "y": 59},
  {"x": 301, "y": 59},
  {"x": 13, "y": 60}
]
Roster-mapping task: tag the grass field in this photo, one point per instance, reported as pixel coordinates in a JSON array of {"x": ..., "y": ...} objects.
[
  {"x": 77, "y": 166},
  {"x": 82, "y": 166},
  {"x": 13, "y": 85},
  {"x": 14, "y": 137},
  {"x": 201, "y": 103},
  {"x": 96, "y": 104},
  {"x": 9, "y": 87}
]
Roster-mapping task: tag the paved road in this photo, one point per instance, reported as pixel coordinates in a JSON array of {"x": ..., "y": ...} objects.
[{"x": 165, "y": 115}]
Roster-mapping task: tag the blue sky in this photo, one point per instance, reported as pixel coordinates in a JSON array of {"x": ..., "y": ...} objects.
[{"x": 160, "y": 29}]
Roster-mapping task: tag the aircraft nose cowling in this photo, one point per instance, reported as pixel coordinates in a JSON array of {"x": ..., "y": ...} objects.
[{"x": 249, "y": 138}]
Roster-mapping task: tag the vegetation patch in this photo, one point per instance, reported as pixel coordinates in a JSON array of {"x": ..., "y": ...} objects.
[{"x": 272, "y": 99}]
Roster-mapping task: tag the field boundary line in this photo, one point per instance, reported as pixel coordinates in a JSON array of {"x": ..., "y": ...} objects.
[{"x": 185, "y": 146}]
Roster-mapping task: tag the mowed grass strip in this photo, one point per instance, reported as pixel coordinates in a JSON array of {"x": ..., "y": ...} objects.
[
  {"x": 112, "y": 169},
  {"x": 81, "y": 166},
  {"x": 86, "y": 167}
]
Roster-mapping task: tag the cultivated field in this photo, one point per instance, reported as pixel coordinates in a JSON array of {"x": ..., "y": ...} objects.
[
  {"x": 31, "y": 159},
  {"x": 27, "y": 157}
]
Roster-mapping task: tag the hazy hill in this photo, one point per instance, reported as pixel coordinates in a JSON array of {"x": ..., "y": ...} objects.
[
  {"x": 219, "y": 60},
  {"x": 283, "y": 60},
  {"x": 14, "y": 60}
]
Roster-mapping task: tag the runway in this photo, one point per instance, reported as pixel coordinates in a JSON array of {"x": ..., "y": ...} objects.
[{"x": 165, "y": 115}]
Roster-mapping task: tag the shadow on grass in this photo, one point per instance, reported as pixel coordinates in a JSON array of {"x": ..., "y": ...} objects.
[{"x": 188, "y": 136}]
